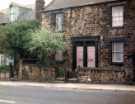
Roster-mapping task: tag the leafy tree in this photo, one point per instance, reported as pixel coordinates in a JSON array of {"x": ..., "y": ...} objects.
[
  {"x": 45, "y": 44},
  {"x": 22, "y": 39},
  {"x": 14, "y": 39}
]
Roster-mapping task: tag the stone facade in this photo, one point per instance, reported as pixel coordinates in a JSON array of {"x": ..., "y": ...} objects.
[
  {"x": 31, "y": 72},
  {"x": 95, "y": 21}
]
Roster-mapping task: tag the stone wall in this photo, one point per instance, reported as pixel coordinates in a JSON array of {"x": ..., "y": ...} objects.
[
  {"x": 32, "y": 72},
  {"x": 103, "y": 75},
  {"x": 4, "y": 76},
  {"x": 95, "y": 20}
]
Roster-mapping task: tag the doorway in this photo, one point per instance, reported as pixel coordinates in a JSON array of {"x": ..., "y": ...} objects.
[{"x": 85, "y": 52}]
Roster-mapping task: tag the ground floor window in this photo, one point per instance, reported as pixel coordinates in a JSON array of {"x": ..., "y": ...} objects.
[
  {"x": 91, "y": 56},
  {"x": 117, "y": 52},
  {"x": 79, "y": 56}
]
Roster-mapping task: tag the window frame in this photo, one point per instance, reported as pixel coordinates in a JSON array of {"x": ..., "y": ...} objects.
[
  {"x": 123, "y": 17},
  {"x": 62, "y": 17},
  {"x": 117, "y": 52},
  {"x": 85, "y": 42}
]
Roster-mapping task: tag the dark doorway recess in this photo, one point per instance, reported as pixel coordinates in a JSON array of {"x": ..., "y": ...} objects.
[{"x": 84, "y": 42}]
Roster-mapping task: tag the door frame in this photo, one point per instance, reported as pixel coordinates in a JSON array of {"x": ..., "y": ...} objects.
[{"x": 85, "y": 42}]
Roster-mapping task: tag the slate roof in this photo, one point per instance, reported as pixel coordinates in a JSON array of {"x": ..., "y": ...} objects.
[{"x": 60, "y": 4}]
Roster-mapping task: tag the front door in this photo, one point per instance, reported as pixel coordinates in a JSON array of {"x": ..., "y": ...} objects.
[{"x": 91, "y": 56}]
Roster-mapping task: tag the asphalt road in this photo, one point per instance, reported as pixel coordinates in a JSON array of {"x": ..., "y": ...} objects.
[{"x": 40, "y": 95}]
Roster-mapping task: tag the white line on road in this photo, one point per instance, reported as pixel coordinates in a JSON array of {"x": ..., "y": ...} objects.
[{"x": 7, "y": 101}]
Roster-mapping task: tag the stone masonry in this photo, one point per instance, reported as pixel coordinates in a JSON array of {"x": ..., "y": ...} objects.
[{"x": 95, "y": 20}]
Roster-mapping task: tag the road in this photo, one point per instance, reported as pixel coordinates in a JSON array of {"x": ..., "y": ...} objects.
[{"x": 40, "y": 95}]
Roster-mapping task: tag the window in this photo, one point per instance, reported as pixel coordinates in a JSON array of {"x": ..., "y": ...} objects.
[
  {"x": 59, "y": 56},
  {"x": 86, "y": 56},
  {"x": 80, "y": 55},
  {"x": 118, "y": 52},
  {"x": 91, "y": 56},
  {"x": 12, "y": 13},
  {"x": 59, "y": 22},
  {"x": 117, "y": 16},
  {"x": 3, "y": 60}
]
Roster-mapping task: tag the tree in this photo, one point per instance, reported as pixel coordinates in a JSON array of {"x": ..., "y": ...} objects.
[
  {"x": 45, "y": 44},
  {"x": 14, "y": 39}
]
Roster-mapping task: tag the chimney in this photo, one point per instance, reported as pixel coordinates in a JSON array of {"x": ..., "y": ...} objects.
[{"x": 39, "y": 7}]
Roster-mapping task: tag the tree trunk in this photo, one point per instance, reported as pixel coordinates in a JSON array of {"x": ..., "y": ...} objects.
[
  {"x": 17, "y": 64},
  {"x": 20, "y": 69}
]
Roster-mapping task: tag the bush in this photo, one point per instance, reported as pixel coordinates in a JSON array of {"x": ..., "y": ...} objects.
[
  {"x": 45, "y": 44},
  {"x": 4, "y": 68},
  {"x": 60, "y": 72}
]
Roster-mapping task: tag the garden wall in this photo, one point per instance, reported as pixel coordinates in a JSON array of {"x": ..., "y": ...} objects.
[
  {"x": 103, "y": 75},
  {"x": 31, "y": 72},
  {"x": 4, "y": 76}
]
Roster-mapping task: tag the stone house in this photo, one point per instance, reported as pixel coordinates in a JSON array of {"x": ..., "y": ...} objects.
[{"x": 99, "y": 35}]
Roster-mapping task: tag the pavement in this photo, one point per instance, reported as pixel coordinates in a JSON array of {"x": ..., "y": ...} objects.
[
  {"x": 72, "y": 86},
  {"x": 29, "y": 94}
]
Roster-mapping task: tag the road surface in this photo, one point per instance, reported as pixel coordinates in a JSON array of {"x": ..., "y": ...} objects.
[{"x": 40, "y": 95}]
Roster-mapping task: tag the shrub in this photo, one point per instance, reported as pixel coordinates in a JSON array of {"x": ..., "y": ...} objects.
[
  {"x": 60, "y": 72},
  {"x": 4, "y": 68}
]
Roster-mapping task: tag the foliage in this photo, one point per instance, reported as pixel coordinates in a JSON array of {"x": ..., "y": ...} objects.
[
  {"x": 16, "y": 36},
  {"x": 4, "y": 68},
  {"x": 60, "y": 72},
  {"x": 45, "y": 43},
  {"x": 24, "y": 38}
]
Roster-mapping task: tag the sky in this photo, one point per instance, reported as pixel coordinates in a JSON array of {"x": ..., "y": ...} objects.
[{"x": 5, "y": 3}]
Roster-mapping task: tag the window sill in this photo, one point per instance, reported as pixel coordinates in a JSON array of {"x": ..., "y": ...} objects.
[
  {"x": 118, "y": 63},
  {"x": 117, "y": 27}
]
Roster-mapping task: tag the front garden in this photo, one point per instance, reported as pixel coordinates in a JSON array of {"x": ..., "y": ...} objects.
[{"x": 28, "y": 44}]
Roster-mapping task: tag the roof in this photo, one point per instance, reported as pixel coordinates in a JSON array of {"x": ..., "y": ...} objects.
[
  {"x": 61, "y": 4},
  {"x": 21, "y": 6}
]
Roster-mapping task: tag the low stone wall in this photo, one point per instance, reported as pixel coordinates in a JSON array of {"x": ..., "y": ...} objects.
[
  {"x": 4, "y": 76},
  {"x": 103, "y": 76},
  {"x": 35, "y": 73}
]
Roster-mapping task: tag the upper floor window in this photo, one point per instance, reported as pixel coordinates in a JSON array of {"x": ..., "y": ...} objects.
[
  {"x": 3, "y": 60},
  {"x": 118, "y": 16},
  {"x": 118, "y": 52},
  {"x": 14, "y": 12},
  {"x": 59, "y": 22}
]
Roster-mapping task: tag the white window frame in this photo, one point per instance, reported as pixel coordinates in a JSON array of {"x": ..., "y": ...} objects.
[
  {"x": 59, "y": 22},
  {"x": 117, "y": 16},
  {"x": 117, "y": 49}
]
